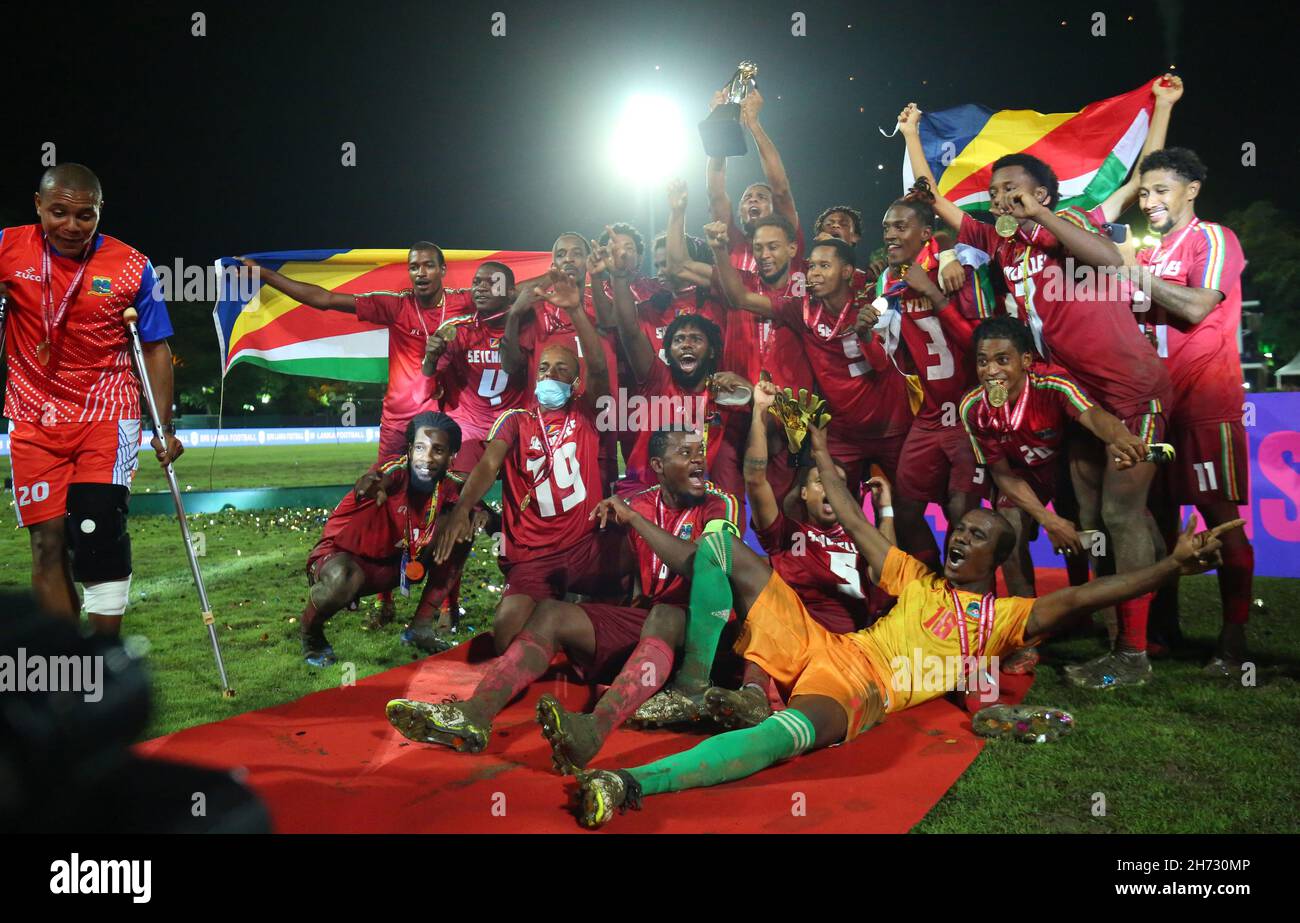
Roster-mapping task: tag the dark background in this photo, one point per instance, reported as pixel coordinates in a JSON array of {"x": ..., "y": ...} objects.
[{"x": 231, "y": 142}]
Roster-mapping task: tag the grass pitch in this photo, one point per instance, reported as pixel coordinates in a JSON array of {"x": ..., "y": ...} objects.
[{"x": 1182, "y": 754}]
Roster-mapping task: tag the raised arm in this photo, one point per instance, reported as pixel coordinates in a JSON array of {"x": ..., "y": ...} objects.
[
  {"x": 304, "y": 292},
  {"x": 1195, "y": 553},
  {"x": 1167, "y": 90},
  {"x": 1085, "y": 246},
  {"x": 770, "y": 157},
  {"x": 870, "y": 542},
  {"x": 680, "y": 264},
  {"x": 563, "y": 292},
  {"x": 763, "y": 505},
  {"x": 636, "y": 345},
  {"x": 909, "y": 124},
  {"x": 733, "y": 287}
]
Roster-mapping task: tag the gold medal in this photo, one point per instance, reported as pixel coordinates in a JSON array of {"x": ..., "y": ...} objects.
[
  {"x": 1006, "y": 225},
  {"x": 414, "y": 571},
  {"x": 523, "y": 504},
  {"x": 997, "y": 393},
  {"x": 43, "y": 352}
]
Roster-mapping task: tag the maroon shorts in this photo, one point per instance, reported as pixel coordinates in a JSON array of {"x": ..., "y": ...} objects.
[
  {"x": 618, "y": 631},
  {"x": 858, "y": 454},
  {"x": 1147, "y": 424},
  {"x": 392, "y": 442},
  {"x": 1040, "y": 478},
  {"x": 940, "y": 463},
  {"x": 381, "y": 574},
  {"x": 1211, "y": 463},
  {"x": 589, "y": 565},
  {"x": 471, "y": 450}
]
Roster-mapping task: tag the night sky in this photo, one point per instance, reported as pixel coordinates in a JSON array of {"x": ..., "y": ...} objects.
[{"x": 230, "y": 143}]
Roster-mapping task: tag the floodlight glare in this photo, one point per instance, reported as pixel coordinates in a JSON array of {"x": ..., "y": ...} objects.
[{"x": 649, "y": 140}]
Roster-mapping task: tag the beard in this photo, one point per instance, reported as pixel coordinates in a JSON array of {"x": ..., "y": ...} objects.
[
  {"x": 691, "y": 382},
  {"x": 422, "y": 484}
]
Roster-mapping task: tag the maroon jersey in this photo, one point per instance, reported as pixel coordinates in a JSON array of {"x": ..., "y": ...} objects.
[
  {"x": 1030, "y": 430},
  {"x": 936, "y": 343},
  {"x": 664, "y": 404},
  {"x": 741, "y": 247},
  {"x": 409, "y": 328},
  {"x": 656, "y": 312},
  {"x": 1092, "y": 337},
  {"x": 1203, "y": 359},
  {"x": 363, "y": 528},
  {"x": 658, "y": 583},
  {"x": 87, "y": 376},
  {"x": 553, "y": 325},
  {"x": 866, "y": 400},
  {"x": 824, "y": 567},
  {"x": 551, "y": 478},
  {"x": 755, "y": 344},
  {"x": 476, "y": 390}
]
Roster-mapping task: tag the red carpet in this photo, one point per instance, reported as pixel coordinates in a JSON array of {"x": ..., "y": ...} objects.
[{"x": 331, "y": 763}]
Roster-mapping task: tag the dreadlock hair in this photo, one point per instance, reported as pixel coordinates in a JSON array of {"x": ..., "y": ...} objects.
[
  {"x": 626, "y": 229},
  {"x": 920, "y": 199},
  {"x": 439, "y": 422},
  {"x": 711, "y": 332},
  {"x": 1042, "y": 174}
]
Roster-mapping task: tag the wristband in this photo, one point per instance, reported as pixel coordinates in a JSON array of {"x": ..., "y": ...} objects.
[
  {"x": 946, "y": 257},
  {"x": 886, "y": 512}
]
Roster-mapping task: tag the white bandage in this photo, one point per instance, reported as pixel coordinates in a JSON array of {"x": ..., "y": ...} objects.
[
  {"x": 886, "y": 512},
  {"x": 946, "y": 257},
  {"x": 107, "y": 598}
]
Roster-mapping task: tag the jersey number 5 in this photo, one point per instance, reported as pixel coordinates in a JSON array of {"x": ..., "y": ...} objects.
[{"x": 845, "y": 566}]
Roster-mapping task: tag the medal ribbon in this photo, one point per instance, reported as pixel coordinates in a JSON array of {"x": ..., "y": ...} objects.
[
  {"x": 549, "y": 447},
  {"x": 984, "y": 631},
  {"x": 54, "y": 319},
  {"x": 414, "y": 547},
  {"x": 660, "y": 521},
  {"x": 1031, "y": 314},
  {"x": 999, "y": 418}
]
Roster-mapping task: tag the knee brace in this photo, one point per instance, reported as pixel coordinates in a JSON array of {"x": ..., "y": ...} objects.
[
  {"x": 96, "y": 532},
  {"x": 107, "y": 598}
]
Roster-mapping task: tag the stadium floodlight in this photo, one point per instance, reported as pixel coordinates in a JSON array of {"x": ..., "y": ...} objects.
[{"x": 649, "y": 140}]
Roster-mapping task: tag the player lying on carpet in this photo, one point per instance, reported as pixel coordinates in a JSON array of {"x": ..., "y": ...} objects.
[
  {"x": 813, "y": 554},
  {"x": 597, "y": 639},
  {"x": 378, "y": 537},
  {"x": 841, "y": 685}
]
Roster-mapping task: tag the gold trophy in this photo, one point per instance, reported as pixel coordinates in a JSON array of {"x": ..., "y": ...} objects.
[{"x": 721, "y": 132}]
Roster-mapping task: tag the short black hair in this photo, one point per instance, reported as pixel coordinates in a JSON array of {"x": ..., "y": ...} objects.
[
  {"x": 434, "y": 420},
  {"x": 74, "y": 176},
  {"x": 429, "y": 245},
  {"x": 624, "y": 228},
  {"x": 842, "y": 249},
  {"x": 712, "y": 332},
  {"x": 503, "y": 269},
  {"x": 1181, "y": 160},
  {"x": 854, "y": 215},
  {"x": 658, "y": 446},
  {"x": 1003, "y": 327},
  {"x": 586, "y": 247},
  {"x": 697, "y": 248},
  {"x": 775, "y": 220},
  {"x": 1043, "y": 175}
]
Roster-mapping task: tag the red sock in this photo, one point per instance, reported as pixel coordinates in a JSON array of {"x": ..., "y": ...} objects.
[
  {"x": 1236, "y": 574},
  {"x": 641, "y": 677},
  {"x": 1132, "y": 615},
  {"x": 524, "y": 660}
]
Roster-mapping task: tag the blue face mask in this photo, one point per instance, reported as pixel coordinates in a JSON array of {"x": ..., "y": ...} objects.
[{"x": 553, "y": 394}]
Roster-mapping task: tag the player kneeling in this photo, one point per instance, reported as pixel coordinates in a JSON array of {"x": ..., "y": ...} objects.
[
  {"x": 842, "y": 685},
  {"x": 378, "y": 537}
]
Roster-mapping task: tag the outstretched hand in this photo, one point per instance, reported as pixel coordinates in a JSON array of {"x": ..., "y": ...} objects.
[
  {"x": 375, "y": 486},
  {"x": 616, "y": 507},
  {"x": 1197, "y": 552}
]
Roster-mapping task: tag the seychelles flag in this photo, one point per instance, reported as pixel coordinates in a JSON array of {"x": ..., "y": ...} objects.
[
  {"x": 1091, "y": 150},
  {"x": 255, "y": 323}
]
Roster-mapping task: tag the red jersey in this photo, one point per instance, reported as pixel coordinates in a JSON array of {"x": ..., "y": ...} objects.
[
  {"x": 868, "y": 399},
  {"x": 1030, "y": 430},
  {"x": 755, "y": 344},
  {"x": 553, "y": 325},
  {"x": 551, "y": 478},
  {"x": 88, "y": 377},
  {"x": 825, "y": 569},
  {"x": 655, "y": 313},
  {"x": 664, "y": 403},
  {"x": 365, "y": 529},
  {"x": 936, "y": 343},
  {"x": 658, "y": 583},
  {"x": 741, "y": 248},
  {"x": 1091, "y": 336},
  {"x": 409, "y": 328},
  {"x": 1203, "y": 359},
  {"x": 476, "y": 389}
]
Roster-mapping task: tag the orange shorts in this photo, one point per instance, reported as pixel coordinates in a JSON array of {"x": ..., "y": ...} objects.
[
  {"x": 46, "y": 459},
  {"x": 803, "y": 658}
]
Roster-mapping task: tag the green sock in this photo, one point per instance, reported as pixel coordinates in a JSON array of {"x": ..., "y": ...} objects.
[
  {"x": 729, "y": 756},
  {"x": 709, "y": 607}
]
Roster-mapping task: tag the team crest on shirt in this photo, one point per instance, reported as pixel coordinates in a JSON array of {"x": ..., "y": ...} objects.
[
  {"x": 101, "y": 285},
  {"x": 686, "y": 530}
]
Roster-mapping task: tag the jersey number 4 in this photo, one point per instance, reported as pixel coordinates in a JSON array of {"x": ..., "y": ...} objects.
[
  {"x": 491, "y": 384},
  {"x": 564, "y": 475}
]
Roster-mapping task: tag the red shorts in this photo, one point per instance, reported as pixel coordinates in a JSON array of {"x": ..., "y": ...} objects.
[
  {"x": 1040, "y": 478},
  {"x": 589, "y": 565},
  {"x": 381, "y": 574},
  {"x": 392, "y": 442},
  {"x": 940, "y": 463},
  {"x": 46, "y": 459},
  {"x": 471, "y": 450},
  {"x": 618, "y": 632},
  {"x": 1147, "y": 424},
  {"x": 1211, "y": 465},
  {"x": 858, "y": 454}
]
